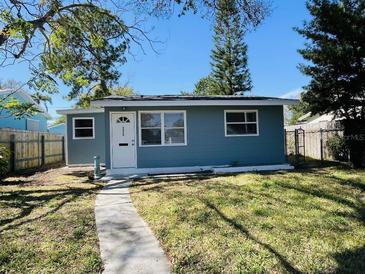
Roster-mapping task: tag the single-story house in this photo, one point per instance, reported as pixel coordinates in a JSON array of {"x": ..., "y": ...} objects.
[
  {"x": 36, "y": 122},
  {"x": 162, "y": 134},
  {"x": 57, "y": 129}
]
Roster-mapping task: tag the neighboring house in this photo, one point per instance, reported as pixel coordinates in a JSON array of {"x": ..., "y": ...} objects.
[
  {"x": 57, "y": 129},
  {"x": 37, "y": 122},
  {"x": 313, "y": 122},
  {"x": 162, "y": 134}
]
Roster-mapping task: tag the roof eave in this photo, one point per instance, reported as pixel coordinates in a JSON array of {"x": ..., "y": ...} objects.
[
  {"x": 79, "y": 111},
  {"x": 149, "y": 103}
]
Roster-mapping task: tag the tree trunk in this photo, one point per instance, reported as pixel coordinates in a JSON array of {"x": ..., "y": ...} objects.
[{"x": 355, "y": 138}]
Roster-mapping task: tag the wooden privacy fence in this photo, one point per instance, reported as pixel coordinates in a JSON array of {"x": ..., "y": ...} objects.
[
  {"x": 310, "y": 141},
  {"x": 32, "y": 149}
]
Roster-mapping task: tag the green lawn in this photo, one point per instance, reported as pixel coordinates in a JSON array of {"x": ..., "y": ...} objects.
[
  {"x": 308, "y": 221},
  {"x": 47, "y": 224}
]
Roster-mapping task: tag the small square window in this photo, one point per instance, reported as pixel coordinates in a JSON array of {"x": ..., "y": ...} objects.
[
  {"x": 241, "y": 123},
  {"x": 83, "y": 128}
]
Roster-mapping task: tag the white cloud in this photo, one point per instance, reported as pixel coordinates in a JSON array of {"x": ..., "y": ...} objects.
[{"x": 293, "y": 94}]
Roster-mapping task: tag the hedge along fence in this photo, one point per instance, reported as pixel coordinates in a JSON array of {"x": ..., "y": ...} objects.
[{"x": 32, "y": 149}]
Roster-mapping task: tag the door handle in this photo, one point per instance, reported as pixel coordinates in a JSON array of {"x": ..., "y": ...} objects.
[{"x": 133, "y": 142}]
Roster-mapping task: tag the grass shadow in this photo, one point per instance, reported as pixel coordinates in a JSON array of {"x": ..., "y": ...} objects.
[
  {"x": 17, "y": 182},
  {"x": 308, "y": 162},
  {"x": 358, "y": 206},
  {"x": 351, "y": 261},
  {"x": 29, "y": 200},
  {"x": 284, "y": 262}
]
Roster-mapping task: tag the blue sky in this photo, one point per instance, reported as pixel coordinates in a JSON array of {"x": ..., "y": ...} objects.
[{"x": 184, "y": 56}]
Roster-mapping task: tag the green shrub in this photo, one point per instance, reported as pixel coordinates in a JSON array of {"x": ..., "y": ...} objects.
[
  {"x": 4, "y": 160},
  {"x": 338, "y": 148}
]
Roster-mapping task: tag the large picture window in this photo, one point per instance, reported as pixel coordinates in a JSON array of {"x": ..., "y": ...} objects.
[
  {"x": 83, "y": 128},
  {"x": 241, "y": 123},
  {"x": 159, "y": 128}
]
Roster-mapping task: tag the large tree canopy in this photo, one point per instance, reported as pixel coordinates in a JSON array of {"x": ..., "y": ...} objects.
[
  {"x": 82, "y": 56},
  {"x": 336, "y": 54},
  {"x": 82, "y": 42}
]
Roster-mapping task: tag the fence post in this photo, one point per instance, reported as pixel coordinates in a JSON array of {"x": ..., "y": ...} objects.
[
  {"x": 296, "y": 145},
  {"x": 321, "y": 144},
  {"x": 12, "y": 153},
  {"x": 304, "y": 145},
  {"x": 39, "y": 151},
  {"x": 285, "y": 144},
  {"x": 63, "y": 148},
  {"x": 43, "y": 156}
]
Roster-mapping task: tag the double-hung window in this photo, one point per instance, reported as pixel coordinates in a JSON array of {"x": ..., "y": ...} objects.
[
  {"x": 162, "y": 128},
  {"x": 241, "y": 122},
  {"x": 83, "y": 128}
]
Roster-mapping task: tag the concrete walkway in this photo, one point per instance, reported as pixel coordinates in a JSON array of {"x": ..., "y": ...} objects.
[{"x": 126, "y": 242}]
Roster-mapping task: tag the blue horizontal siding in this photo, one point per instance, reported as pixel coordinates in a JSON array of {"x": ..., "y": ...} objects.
[
  {"x": 9, "y": 121},
  {"x": 82, "y": 151},
  {"x": 206, "y": 141}
]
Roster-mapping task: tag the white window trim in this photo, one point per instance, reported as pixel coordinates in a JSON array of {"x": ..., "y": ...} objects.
[
  {"x": 162, "y": 112},
  {"x": 241, "y": 110},
  {"x": 83, "y": 118}
]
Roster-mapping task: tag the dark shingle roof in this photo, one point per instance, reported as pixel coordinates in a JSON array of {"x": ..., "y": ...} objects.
[{"x": 184, "y": 98}]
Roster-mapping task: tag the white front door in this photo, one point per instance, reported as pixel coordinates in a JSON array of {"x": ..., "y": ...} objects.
[{"x": 123, "y": 136}]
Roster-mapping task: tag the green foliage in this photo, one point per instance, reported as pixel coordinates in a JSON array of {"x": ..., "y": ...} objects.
[
  {"x": 82, "y": 56},
  {"x": 40, "y": 96},
  {"x": 335, "y": 50},
  {"x": 297, "y": 111},
  {"x": 229, "y": 56},
  {"x": 83, "y": 42},
  {"x": 123, "y": 91},
  {"x": 42, "y": 82},
  {"x": 206, "y": 86},
  {"x": 59, "y": 120},
  {"x": 252, "y": 11},
  {"x": 4, "y": 160},
  {"x": 18, "y": 109},
  {"x": 338, "y": 148}
]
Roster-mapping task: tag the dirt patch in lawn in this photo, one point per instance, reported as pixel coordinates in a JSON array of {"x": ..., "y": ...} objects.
[
  {"x": 47, "y": 223},
  {"x": 54, "y": 176}
]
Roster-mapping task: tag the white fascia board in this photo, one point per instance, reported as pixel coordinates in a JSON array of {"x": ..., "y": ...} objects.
[
  {"x": 53, "y": 126},
  {"x": 173, "y": 103},
  {"x": 79, "y": 111}
]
